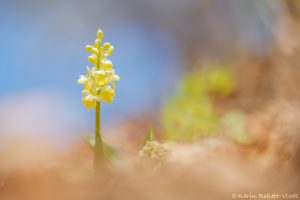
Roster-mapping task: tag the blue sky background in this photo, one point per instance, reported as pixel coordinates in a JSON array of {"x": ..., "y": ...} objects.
[{"x": 42, "y": 54}]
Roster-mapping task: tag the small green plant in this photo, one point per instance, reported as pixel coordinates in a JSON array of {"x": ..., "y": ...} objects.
[
  {"x": 149, "y": 136},
  {"x": 190, "y": 114},
  {"x": 98, "y": 86},
  {"x": 152, "y": 150}
]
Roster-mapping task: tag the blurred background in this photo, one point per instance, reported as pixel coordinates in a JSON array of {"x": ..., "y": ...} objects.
[
  {"x": 156, "y": 42},
  {"x": 218, "y": 80}
]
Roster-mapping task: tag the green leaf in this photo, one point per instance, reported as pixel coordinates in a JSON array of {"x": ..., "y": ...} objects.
[
  {"x": 150, "y": 136},
  {"x": 110, "y": 152}
]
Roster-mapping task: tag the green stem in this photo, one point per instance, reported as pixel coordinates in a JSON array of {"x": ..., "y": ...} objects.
[{"x": 98, "y": 151}]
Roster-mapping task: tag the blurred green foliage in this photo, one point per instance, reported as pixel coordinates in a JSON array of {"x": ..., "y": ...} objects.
[
  {"x": 220, "y": 81},
  {"x": 190, "y": 114},
  {"x": 187, "y": 118}
]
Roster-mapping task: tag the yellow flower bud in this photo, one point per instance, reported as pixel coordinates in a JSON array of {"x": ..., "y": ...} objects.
[
  {"x": 107, "y": 64},
  {"x": 95, "y": 51},
  {"x": 109, "y": 51},
  {"x": 100, "y": 34},
  {"x": 106, "y": 46},
  {"x": 97, "y": 43},
  {"x": 89, "y": 48},
  {"x": 93, "y": 59}
]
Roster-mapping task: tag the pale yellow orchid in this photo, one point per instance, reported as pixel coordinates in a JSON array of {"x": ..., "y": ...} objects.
[{"x": 99, "y": 82}]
